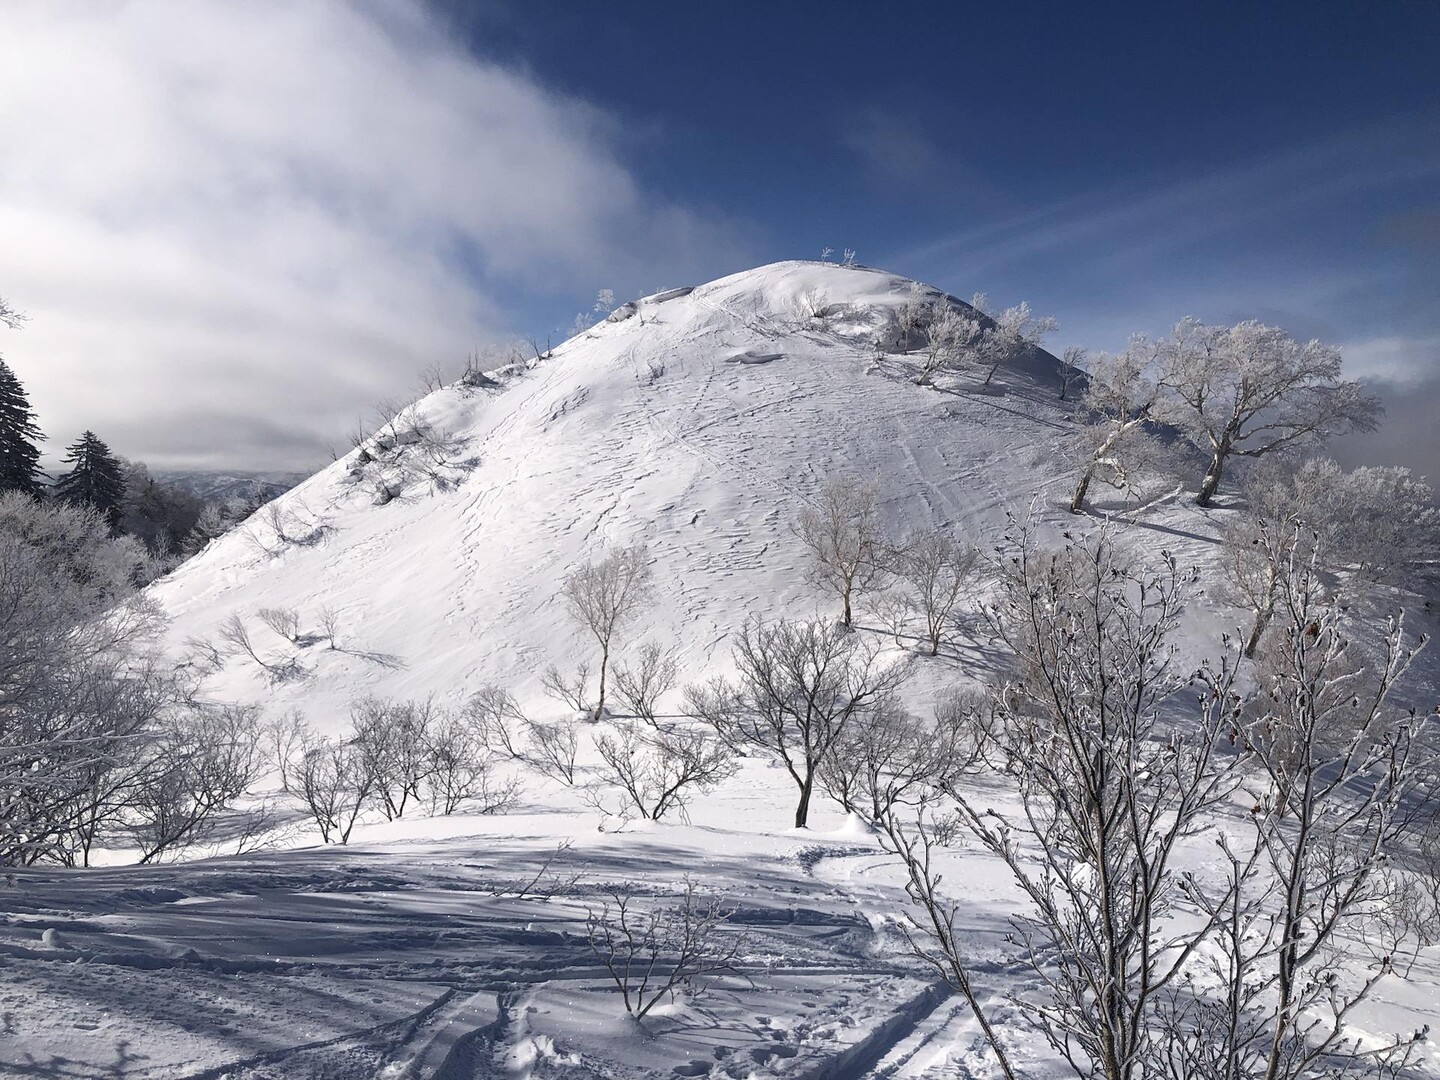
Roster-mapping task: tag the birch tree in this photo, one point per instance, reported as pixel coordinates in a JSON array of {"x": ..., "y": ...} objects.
[
  {"x": 846, "y": 540},
  {"x": 1122, "y": 395},
  {"x": 603, "y": 596},
  {"x": 1250, "y": 390}
]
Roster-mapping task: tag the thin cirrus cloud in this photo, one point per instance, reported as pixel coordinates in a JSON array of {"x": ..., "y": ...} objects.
[{"x": 255, "y": 220}]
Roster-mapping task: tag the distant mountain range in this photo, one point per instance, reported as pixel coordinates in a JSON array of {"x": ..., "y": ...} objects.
[{"x": 218, "y": 486}]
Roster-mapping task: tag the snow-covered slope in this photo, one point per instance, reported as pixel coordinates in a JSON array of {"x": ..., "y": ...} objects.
[{"x": 702, "y": 425}]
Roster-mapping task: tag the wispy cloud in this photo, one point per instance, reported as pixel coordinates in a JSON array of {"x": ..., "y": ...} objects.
[
  {"x": 1150, "y": 216},
  {"x": 284, "y": 211}
]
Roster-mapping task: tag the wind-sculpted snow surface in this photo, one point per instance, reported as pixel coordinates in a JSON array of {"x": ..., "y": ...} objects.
[{"x": 419, "y": 959}]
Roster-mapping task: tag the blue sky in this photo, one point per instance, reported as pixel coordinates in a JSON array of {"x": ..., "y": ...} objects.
[
  {"x": 1121, "y": 166},
  {"x": 236, "y": 227}
]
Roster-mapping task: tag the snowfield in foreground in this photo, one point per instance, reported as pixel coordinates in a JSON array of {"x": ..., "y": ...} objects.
[
  {"x": 411, "y": 954},
  {"x": 430, "y": 563}
]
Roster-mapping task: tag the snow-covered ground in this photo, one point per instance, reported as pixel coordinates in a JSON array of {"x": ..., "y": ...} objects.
[{"x": 702, "y": 425}]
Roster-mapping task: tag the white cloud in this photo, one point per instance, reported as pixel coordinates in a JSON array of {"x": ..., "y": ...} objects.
[{"x": 257, "y": 218}]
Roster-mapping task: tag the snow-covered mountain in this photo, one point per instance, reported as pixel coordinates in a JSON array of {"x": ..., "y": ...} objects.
[
  {"x": 700, "y": 422},
  {"x": 220, "y": 485}
]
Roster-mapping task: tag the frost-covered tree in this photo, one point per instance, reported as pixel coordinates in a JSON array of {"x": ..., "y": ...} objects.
[
  {"x": 934, "y": 569},
  {"x": 1381, "y": 521},
  {"x": 159, "y": 515},
  {"x": 1122, "y": 396},
  {"x": 949, "y": 335},
  {"x": 1071, "y": 369},
  {"x": 1250, "y": 390},
  {"x": 911, "y": 314},
  {"x": 1308, "y": 925},
  {"x": 798, "y": 688},
  {"x": 95, "y": 478},
  {"x": 605, "y": 301},
  {"x": 603, "y": 596},
  {"x": 19, "y": 437},
  {"x": 1009, "y": 334},
  {"x": 77, "y": 692},
  {"x": 846, "y": 540}
]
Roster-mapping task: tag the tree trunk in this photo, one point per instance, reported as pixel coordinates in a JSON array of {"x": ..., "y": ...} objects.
[
  {"x": 1211, "y": 483},
  {"x": 1262, "y": 619},
  {"x": 802, "y": 810},
  {"x": 1082, "y": 488},
  {"x": 846, "y": 619},
  {"x": 604, "y": 667}
]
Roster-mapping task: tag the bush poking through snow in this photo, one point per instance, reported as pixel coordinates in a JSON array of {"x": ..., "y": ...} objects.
[
  {"x": 234, "y": 639},
  {"x": 335, "y": 785},
  {"x": 641, "y": 687},
  {"x": 656, "y": 955},
  {"x": 571, "y": 689},
  {"x": 655, "y": 773},
  {"x": 553, "y": 748},
  {"x": 498, "y": 719},
  {"x": 284, "y": 621}
]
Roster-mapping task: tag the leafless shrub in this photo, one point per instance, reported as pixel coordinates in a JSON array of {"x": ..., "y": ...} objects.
[
  {"x": 653, "y": 956},
  {"x": 656, "y": 772},
  {"x": 460, "y": 769},
  {"x": 195, "y": 769},
  {"x": 284, "y": 740},
  {"x": 553, "y": 748},
  {"x": 548, "y": 881},
  {"x": 498, "y": 719},
  {"x": 284, "y": 621},
  {"x": 391, "y": 739},
  {"x": 812, "y": 307},
  {"x": 653, "y": 676},
  {"x": 572, "y": 689},
  {"x": 236, "y": 640},
  {"x": 335, "y": 785},
  {"x": 202, "y": 653}
]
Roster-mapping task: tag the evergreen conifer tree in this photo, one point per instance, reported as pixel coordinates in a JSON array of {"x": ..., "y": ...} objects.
[
  {"x": 95, "y": 479},
  {"x": 19, "y": 437}
]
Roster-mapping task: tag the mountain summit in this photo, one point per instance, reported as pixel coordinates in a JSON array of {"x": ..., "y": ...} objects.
[{"x": 698, "y": 421}]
